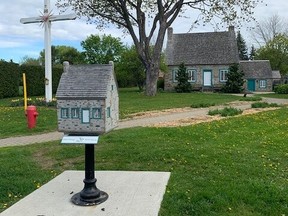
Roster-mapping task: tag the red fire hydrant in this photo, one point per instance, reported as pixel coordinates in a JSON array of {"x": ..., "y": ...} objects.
[{"x": 31, "y": 114}]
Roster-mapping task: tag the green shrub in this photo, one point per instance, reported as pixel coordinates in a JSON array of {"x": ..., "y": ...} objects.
[
  {"x": 235, "y": 81},
  {"x": 227, "y": 111},
  {"x": 182, "y": 79},
  {"x": 35, "y": 101},
  {"x": 254, "y": 98},
  {"x": 9, "y": 79},
  {"x": 264, "y": 105},
  {"x": 214, "y": 112},
  {"x": 281, "y": 89}
]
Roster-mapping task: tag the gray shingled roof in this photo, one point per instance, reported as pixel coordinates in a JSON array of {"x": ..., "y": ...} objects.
[
  {"x": 210, "y": 48},
  {"x": 256, "y": 69},
  {"x": 276, "y": 74},
  {"x": 85, "y": 81}
]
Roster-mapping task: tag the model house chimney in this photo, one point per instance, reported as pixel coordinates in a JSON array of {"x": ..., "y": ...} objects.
[{"x": 65, "y": 66}]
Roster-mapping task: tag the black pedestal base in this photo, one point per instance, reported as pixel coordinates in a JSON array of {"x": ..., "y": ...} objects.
[{"x": 78, "y": 200}]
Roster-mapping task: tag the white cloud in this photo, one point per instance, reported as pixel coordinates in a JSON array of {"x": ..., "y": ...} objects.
[{"x": 15, "y": 35}]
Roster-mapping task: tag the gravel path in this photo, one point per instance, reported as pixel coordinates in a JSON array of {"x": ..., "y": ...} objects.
[{"x": 145, "y": 120}]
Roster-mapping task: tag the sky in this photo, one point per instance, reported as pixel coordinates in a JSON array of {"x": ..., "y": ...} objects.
[{"x": 19, "y": 40}]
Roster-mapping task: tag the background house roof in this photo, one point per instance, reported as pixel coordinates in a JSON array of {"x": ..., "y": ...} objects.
[
  {"x": 210, "y": 48},
  {"x": 85, "y": 81},
  {"x": 276, "y": 74},
  {"x": 256, "y": 69}
]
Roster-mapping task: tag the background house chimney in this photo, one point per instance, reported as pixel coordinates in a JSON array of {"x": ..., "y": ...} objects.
[
  {"x": 170, "y": 33},
  {"x": 65, "y": 66},
  {"x": 231, "y": 28}
]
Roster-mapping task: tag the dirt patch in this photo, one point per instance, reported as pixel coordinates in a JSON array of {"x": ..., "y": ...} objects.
[
  {"x": 140, "y": 115},
  {"x": 206, "y": 118}
]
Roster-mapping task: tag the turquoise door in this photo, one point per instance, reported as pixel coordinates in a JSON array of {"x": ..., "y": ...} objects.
[{"x": 251, "y": 84}]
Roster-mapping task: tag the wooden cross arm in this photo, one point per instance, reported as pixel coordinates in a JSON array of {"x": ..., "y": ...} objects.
[
  {"x": 62, "y": 17},
  {"x": 31, "y": 20},
  {"x": 51, "y": 18}
]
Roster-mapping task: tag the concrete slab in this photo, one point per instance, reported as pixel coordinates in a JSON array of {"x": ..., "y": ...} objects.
[{"x": 130, "y": 194}]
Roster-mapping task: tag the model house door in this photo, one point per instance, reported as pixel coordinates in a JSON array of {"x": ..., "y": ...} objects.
[{"x": 207, "y": 76}]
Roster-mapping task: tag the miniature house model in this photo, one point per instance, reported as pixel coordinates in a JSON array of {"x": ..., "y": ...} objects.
[{"x": 87, "y": 99}]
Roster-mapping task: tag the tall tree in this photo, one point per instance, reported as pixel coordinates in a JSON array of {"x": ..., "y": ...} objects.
[
  {"x": 148, "y": 20},
  {"x": 268, "y": 29},
  {"x": 30, "y": 61},
  {"x": 252, "y": 53},
  {"x": 242, "y": 48},
  {"x": 102, "y": 49},
  {"x": 277, "y": 52},
  {"x": 182, "y": 78},
  {"x": 60, "y": 54},
  {"x": 235, "y": 81},
  {"x": 130, "y": 70}
]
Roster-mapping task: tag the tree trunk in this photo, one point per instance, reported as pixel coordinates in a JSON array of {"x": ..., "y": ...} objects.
[{"x": 152, "y": 74}]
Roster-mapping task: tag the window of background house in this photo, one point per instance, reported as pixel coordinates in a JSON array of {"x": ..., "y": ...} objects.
[
  {"x": 192, "y": 75},
  {"x": 223, "y": 75},
  {"x": 262, "y": 83}
]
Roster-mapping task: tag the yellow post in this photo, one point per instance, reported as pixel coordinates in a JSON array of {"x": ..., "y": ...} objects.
[{"x": 24, "y": 92}]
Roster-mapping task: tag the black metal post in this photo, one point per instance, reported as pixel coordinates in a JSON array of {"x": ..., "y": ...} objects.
[{"x": 90, "y": 195}]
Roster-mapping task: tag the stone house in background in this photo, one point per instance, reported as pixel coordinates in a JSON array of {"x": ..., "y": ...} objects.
[
  {"x": 87, "y": 99},
  {"x": 259, "y": 75},
  {"x": 207, "y": 57}
]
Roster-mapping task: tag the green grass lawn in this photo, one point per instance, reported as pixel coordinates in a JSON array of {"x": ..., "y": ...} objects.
[
  {"x": 235, "y": 166},
  {"x": 133, "y": 101},
  {"x": 13, "y": 120},
  {"x": 281, "y": 96}
]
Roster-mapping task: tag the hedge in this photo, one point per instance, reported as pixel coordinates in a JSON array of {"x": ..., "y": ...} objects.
[
  {"x": 9, "y": 79},
  {"x": 35, "y": 79}
]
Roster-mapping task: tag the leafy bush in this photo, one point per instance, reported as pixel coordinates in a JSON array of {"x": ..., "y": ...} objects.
[
  {"x": 202, "y": 105},
  {"x": 281, "y": 89},
  {"x": 227, "y": 111},
  {"x": 264, "y": 105},
  {"x": 255, "y": 98},
  {"x": 9, "y": 79},
  {"x": 34, "y": 101}
]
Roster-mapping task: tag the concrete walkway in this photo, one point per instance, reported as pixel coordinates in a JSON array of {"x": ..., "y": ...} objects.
[{"x": 137, "y": 122}]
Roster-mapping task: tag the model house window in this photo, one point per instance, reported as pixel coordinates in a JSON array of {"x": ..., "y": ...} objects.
[
  {"x": 74, "y": 113},
  {"x": 223, "y": 75},
  {"x": 64, "y": 113},
  {"x": 192, "y": 75},
  {"x": 96, "y": 113},
  {"x": 108, "y": 112},
  {"x": 85, "y": 115},
  {"x": 262, "y": 83}
]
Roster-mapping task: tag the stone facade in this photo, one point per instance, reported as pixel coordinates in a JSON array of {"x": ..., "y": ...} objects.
[{"x": 170, "y": 83}]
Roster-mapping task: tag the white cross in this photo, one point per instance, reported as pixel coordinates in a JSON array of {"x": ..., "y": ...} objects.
[{"x": 46, "y": 19}]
